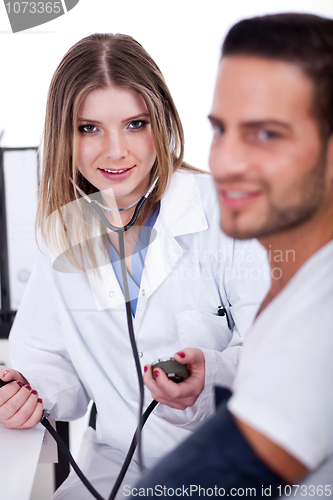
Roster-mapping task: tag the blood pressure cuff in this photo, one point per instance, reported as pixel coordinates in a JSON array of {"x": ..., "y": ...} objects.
[{"x": 215, "y": 461}]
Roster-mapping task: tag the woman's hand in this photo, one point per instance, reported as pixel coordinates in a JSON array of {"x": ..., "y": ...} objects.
[
  {"x": 20, "y": 407},
  {"x": 185, "y": 393}
]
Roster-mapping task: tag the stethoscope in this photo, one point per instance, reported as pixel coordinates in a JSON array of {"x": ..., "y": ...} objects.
[{"x": 99, "y": 208}]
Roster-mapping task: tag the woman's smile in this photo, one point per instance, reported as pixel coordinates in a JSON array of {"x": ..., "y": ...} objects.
[{"x": 117, "y": 175}]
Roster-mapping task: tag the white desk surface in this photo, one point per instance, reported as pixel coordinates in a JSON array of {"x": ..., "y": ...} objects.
[{"x": 19, "y": 452}]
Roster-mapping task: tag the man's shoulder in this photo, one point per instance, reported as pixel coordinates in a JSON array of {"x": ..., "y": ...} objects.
[{"x": 313, "y": 281}]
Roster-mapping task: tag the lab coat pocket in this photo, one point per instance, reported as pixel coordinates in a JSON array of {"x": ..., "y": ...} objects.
[{"x": 202, "y": 329}]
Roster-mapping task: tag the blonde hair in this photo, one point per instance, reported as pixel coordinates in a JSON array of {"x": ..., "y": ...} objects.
[{"x": 96, "y": 62}]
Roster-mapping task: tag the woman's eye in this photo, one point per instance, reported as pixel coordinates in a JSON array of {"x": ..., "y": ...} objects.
[
  {"x": 136, "y": 124},
  {"x": 88, "y": 129}
]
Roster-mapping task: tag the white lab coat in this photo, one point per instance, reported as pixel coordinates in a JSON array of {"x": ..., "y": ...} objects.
[{"x": 70, "y": 337}]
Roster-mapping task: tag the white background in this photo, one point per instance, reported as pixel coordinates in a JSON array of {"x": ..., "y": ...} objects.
[{"x": 183, "y": 36}]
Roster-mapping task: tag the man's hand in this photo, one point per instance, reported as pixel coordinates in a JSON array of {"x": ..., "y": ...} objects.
[
  {"x": 185, "y": 393},
  {"x": 20, "y": 407}
]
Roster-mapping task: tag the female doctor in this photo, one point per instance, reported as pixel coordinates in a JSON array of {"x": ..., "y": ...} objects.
[{"x": 111, "y": 132}]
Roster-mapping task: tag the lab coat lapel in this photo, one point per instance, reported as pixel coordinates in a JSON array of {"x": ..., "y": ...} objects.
[{"x": 181, "y": 213}]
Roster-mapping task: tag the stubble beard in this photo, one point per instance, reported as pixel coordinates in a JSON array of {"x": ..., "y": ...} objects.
[{"x": 285, "y": 215}]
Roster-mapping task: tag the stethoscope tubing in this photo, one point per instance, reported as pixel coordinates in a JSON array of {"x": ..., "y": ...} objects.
[
  {"x": 67, "y": 454},
  {"x": 121, "y": 241},
  {"x": 122, "y": 229}
]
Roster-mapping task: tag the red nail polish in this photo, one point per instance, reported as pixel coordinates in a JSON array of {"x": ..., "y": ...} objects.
[
  {"x": 145, "y": 369},
  {"x": 156, "y": 373},
  {"x": 19, "y": 383},
  {"x": 39, "y": 400},
  {"x": 28, "y": 387},
  {"x": 5, "y": 372},
  {"x": 34, "y": 392},
  {"x": 181, "y": 354}
]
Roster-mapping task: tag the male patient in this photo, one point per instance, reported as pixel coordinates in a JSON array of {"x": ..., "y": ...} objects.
[{"x": 272, "y": 161}]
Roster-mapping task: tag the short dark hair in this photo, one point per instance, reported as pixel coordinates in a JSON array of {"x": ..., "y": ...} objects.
[{"x": 305, "y": 40}]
